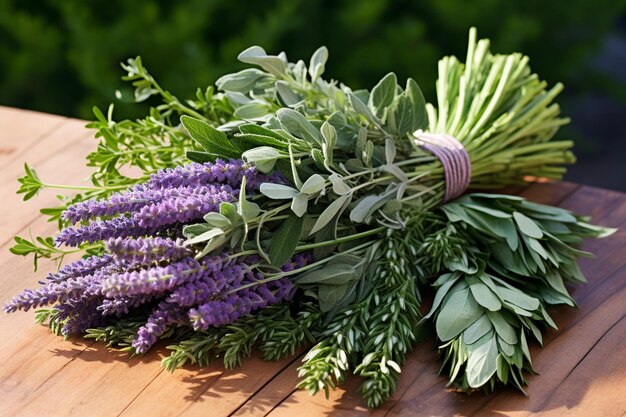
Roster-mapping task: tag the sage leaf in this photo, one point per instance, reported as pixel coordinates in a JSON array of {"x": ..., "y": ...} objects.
[
  {"x": 299, "y": 126},
  {"x": 477, "y": 330},
  {"x": 318, "y": 63},
  {"x": 459, "y": 311},
  {"x": 333, "y": 209},
  {"x": 383, "y": 95},
  {"x": 527, "y": 225},
  {"x": 285, "y": 240},
  {"x": 481, "y": 364},
  {"x": 257, "y": 56},
  {"x": 313, "y": 185},
  {"x": 299, "y": 204},
  {"x": 209, "y": 138},
  {"x": 264, "y": 158},
  {"x": 334, "y": 274},
  {"x": 278, "y": 191},
  {"x": 503, "y": 328}
]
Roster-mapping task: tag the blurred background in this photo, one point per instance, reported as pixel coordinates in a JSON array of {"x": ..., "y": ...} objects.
[{"x": 62, "y": 56}]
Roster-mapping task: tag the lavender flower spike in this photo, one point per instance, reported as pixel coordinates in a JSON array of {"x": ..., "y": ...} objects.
[
  {"x": 159, "y": 321},
  {"x": 152, "y": 280},
  {"x": 144, "y": 251},
  {"x": 102, "y": 230}
]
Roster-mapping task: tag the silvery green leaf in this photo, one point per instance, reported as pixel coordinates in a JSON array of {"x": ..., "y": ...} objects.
[
  {"x": 527, "y": 225},
  {"x": 368, "y": 152},
  {"x": 329, "y": 296},
  {"x": 477, "y": 330},
  {"x": 360, "y": 107},
  {"x": 264, "y": 158},
  {"x": 383, "y": 95},
  {"x": 285, "y": 240},
  {"x": 318, "y": 63},
  {"x": 339, "y": 186},
  {"x": 329, "y": 133},
  {"x": 194, "y": 230},
  {"x": 238, "y": 99},
  {"x": 333, "y": 274},
  {"x": 390, "y": 151},
  {"x": 459, "y": 311},
  {"x": 252, "y": 111},
  {"x": 395, "y": 171},
  {"x": 503, "y": 328},
  {"x": 296, "y": 124},
  {"x": 486, "y": 210},
  {"x": 286, "y": 94},
  {"x": 504, "y": 347},
  {"x": 294, "y": 169},
  {"x": 241, "y": 82},
  {"x": 502, "y": 369},
  {"x": 299, "y": 204},
  {"x": 213, "y": 244},
  {"x": 249, "y": 209},
  {"x": 217, "y": 220},
  {"x": 278, "y": 191},
  {"x": 414, "y": 92},
  {"x": 481, "y": 364},
  {"x": 441, "y": 293},
  {"x": 314, "y": 184},
  {"x": 524, "y": 345},
  {"x": 257, "y": 56},
  {"x": 204, "y": 236},
  {"x": 517, "y": 297},
  {"x": 483, "y": 295},
  {"x": 330, "y": 212}
]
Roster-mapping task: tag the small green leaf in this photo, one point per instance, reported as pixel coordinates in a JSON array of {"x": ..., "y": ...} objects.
[
  {"x": 210, "y": 139},
  {"x": 217, "y": 220},
  {"x": 334, "y": 274}
]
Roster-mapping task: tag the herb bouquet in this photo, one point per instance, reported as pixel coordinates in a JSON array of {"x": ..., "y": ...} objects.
[{"x": 288, "y": 210}]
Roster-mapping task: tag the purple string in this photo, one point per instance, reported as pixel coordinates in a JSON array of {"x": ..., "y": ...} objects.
[{"x": 455, "y": 160}]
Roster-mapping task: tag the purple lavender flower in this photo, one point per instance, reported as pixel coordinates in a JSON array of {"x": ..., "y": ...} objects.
[
  {"x": 135, "y": 198},
  {"x": 119, "y": 306},
  {"x": 158, "y": 322},
  {"x": 81, "y": 267},
  {"x": 87, "y": 286},
  {"x": 152, "y": 280},
  {"x": 84, "y": 315},
  {"x": 102, "y": 230},
  {"x": 144, "y": 251},
  {"x": 182, "y": 209}
]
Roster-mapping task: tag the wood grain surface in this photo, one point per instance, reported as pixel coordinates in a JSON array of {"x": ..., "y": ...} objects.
[{"x": 582, "y": 366}]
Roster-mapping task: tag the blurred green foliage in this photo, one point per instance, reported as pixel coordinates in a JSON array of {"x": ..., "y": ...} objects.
[{"x": 62, "y": 56}]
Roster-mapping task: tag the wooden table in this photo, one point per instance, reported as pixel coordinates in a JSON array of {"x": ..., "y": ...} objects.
[{"x": 582, "y": 366}]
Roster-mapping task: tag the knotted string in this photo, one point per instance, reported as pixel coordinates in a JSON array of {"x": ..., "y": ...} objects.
[{"x": 457, "y": 168}]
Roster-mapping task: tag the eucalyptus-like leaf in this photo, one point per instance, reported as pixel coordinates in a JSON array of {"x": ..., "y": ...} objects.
[
  {"x": 296, "y": 124},
  {"x": 241, "y": 82},
  {"x": 458, "y": 312},
  {"x": 339, "y": 185}
]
